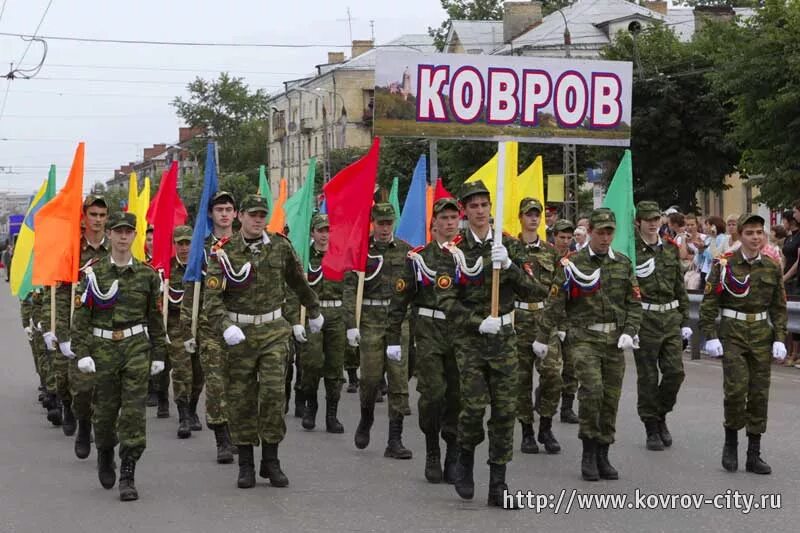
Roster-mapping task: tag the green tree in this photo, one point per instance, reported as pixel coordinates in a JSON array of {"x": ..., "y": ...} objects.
[{"x": 464, "y": 10}]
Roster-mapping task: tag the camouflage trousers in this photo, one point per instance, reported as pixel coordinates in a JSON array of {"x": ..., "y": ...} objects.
[
  {"x": 161, "y": 382},
  {"x": 549, "y": 369},
  {"x": 81, "y": 387},
  {"x": 293, "y": 370},
  {"x": 255, "y": 394},
  {"x": 437, "y": 375},
  {"x": 60, "y": 368},
  {"x": 351, "y": 357},
  {"x": 40, "y": 359},
  {"x": 374, "y": 363},
  {"x": 661, "y": 353},
  {"x": 746, "y": 368},
  {"x": 187, "y": 374},
  {"x": 569, "y": 378},
  {"x": 214, "y": 363},
  {"x": 120, "y": 390},
  {"x": 488, "y": 367},
  {"x": 600, "y": 367},
  {"x": 323, "y": 356}
]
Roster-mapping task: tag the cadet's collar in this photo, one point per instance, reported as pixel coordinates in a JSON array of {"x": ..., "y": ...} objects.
[
  {"x": 178, "y": 260},
  {"x": 537, "y": 244},
  {"x": 745, "y": 259},
  {"x": 659, "y": 243},
  {"x": 374, "y": 242},
  {"x": 592, "y": 252},
  {"x": 315, "y": 251},
  {"x": 477, "y": 240},
  {"x": 129, "y": 263},
  {"x": 86, "y": 244},
  {"x": 246, "y": 245}
]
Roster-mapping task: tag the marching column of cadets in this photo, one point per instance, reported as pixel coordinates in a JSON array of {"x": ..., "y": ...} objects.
[{"x": 573, "y": 316}]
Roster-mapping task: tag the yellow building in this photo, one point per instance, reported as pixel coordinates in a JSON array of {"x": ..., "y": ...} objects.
[{"x": 736, "y": 199}]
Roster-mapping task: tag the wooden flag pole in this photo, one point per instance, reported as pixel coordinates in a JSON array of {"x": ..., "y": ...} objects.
[
  {"x": 165, "y": 302},
  {"x": 71, "y": 303},
  {"x": 498, "y": 223},
  {"x": 53, "y": 309},
  {"x": 359, "y": 297},
  {"x": 195, "y": 308}
]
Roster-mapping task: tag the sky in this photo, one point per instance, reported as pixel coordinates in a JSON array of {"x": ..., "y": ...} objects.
[{"x": 116, "y": 97}]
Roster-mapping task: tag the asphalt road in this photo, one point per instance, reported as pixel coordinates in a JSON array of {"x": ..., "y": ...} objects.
[{"x": 334, "y": 487}]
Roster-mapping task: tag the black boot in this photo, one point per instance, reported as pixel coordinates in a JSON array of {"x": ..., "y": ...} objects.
[
  {"x": 663, "y": 430},
  {"x": 364, "y": 425},
  {"x": 589, "y": 461},
  {"x": 528, "y": 439},
  {"x": 83, "y": 439},
  {"x": 54, "y": 411},
  {"x": 163, "y": 405},
  {"x": 42, "y": 395},
  {"x": 546, "y": 436},
  {"x": 352, "y": 380},
  {"x": 247, "y": 467},
  {"x": 194, "y": 420},
  {"x": 450, "y": 461},
  {"x": 271, "y": 466},
  {"x": 68, "y": 426},
  {"x": 433, "y": 458},
  {"x": 568, "y": 416},
  {"x": 464, "y": 483},
  {"x": 47, "y": 402},
  {"x": 394, "y": 447},
  {"x": 299, "y": 404},
  {"x": 127, "y": 489},
  {"x": 106, "y": 468},
  {"x": 730, "y": 451},
  {"x": 654, "y": 441},
  {"x": 184, "y": 428},
  {"x": 224, "y": 451},
  {"x": 310, "y": 412},
  {"x": 604, "y": 467},
  {"x": 498, "y": 488},
  {"x": 152, "y": 395},
  {"x": 755, "y": 463},
  {"x": 332, "y": 424}
]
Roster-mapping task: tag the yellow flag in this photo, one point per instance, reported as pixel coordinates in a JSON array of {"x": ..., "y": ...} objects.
[
  {"x": 555, "y": 188},
  {"x": 488, "y": 174},
  {"x": 530, "y": 184},
  {"x": 138, "y": 202}
]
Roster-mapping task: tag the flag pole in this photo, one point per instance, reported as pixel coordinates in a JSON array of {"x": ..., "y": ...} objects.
[
  {"x": 498, "y": 223},
  {"x": 71, "y": 302},
  {"x": 359, "y": 297},
  {"x": 53, "y": 308},
  {"x": 195, "y": 308}
]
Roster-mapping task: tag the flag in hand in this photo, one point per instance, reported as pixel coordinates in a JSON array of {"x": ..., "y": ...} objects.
[
  {"x": 277, "y": 218},
  {"x": 299, "y": 209},
  {"x": 203, "y": 224},
  {"x": 164, "y": 220},
  {"x": 619, "y": 199},
  {"x": 412, "y": 225}
]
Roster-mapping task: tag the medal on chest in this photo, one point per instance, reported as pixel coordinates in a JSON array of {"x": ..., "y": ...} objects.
[{"x": 577, "y": 283}]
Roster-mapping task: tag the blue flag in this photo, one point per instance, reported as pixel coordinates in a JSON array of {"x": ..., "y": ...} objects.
[
  {"x": 203, "y": 225},
  {"x": 411, "y": 227}
]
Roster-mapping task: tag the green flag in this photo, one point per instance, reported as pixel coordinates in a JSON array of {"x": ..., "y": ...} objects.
[
  {"x": 394, "y": 198},
  {"x": 263, "y": 186},
  {"x": 619, "y": 199},
  {"x": 299, "y": 208}
]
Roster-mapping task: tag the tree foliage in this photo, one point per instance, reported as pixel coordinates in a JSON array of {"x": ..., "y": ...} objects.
[{"x": 464, "y": 10}]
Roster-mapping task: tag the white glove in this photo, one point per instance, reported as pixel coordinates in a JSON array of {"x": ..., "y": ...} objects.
[
  {"x": 500, "y": 255},
  {"x": 38, "y": 326},
  {"x": 686, "y": 333},
  {"x": 299, "y": 333},
  {"x": 779, "y": 350},
  {"x": 353, "y": 337},
  {"x": 562, "y": 336},
  {"x": 190, "y": 346},
  {"x": 714, "y": 348},
  {"x": 636, "y": 342},
  {"x": 50, "y": 340},
  {"x": 66, "y": 349},
  {"x": 315, "y": 324},
  {"x": 29, "y": 332},
  {"x": 540, "y": 349},
  {"x": 625, "y": 342},
  {"x": 394, "y": 352},
  {"x": 169, "y": 341},
  {"x": 490, "y": 326},
  {"x": 156, "y": 367},
  {"x": 86, "y": 365},
  {"x": 233, "y": 335}
]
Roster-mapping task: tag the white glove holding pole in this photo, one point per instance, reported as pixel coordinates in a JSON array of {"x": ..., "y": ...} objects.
[
  {"x": 490, "y": 326},
  {"x": 50, "y": 340},
  {"x": 625, "y": 342},
  {"x": 29, "y": 332},
  {"x": 779, "y": 350},
  {"x": 233, "y": 335},
  {"x": 86, "y": 365},
  {"x": 353, "y": 337},
  {"x": 540, "y": 349},
  {"x": 500, "y": 255},
  {"x": 66, "y": 349},
  {"x": 299, "y": 332},
  {"x": 686, "y": 333},
  {"x": 714, "y": 348},
  {"x": 562, "y": 336},
  {"x": 156, "y": 367},
  {"x": 190, "y": 346},
  {"x": 394, "y": 352},
  {"x": 315, "y": 324}
]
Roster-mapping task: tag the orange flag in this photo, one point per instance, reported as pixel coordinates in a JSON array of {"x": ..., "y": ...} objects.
[
  {"x": 429, "y": 195},
  {"x": 56, "y": 251},
  {"x": 278, "y": 217}
]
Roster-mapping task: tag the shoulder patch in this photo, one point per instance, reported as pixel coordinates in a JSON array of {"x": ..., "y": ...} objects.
[
  {"x": 213, "y": 282},
  {"x": 553, "y": 291},
  {"x": 399, "y": 285},
  {"x": 709, "y": 288},
  {"x": 77, "y": 302},
  {"x": 457, "y": 240}
]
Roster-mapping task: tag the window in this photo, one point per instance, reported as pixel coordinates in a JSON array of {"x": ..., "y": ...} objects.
[
  {"x": 316, "y": 150},
  {"x": 316, "y": 108}
]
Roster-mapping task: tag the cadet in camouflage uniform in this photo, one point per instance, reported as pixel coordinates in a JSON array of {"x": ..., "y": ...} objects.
[
  {"x": 427, "y": 284},
  {"x": 117, "y": 330},
  {"x": 485, "y": 346},
  {"x": 746, "y": 288},
  {"x": 386, "y": 259},
  {"x": 351, "y": 362},
  {"x": 187, "y": 374},
  {"x": 323, "y": 353},
  {"x": 665, "y": 324},
  {"x": 539, "y": 262},
  {"x": 75, "y": 387},
  {"x": 213, "y": 360},
  {"x": 245, "y": 289},
  {"x": 562, "y": 239},
  {"x": 31, "y": 310},
  {"x": 602, "y": 305}
]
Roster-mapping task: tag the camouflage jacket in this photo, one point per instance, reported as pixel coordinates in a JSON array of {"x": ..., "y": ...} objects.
[
  {"x": 137, "y": 302},
  {"x": 745, "y": 288},
  {"x": 324, "y": 288},
  {"x": 64, "y": 291},
  {"x": 385, "y": 263},
  {"x": 427, "y": 280},
  {"x": 612, "y": 297},
  {"x": 231, "y": 286},
  {"x": 658, "y": 271},
  {"x": 176, "y": 288}
]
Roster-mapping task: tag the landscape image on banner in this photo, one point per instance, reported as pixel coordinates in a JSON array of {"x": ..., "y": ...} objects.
[{"x": 529, "y": 99}]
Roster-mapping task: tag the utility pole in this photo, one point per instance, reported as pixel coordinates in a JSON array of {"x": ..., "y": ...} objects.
[
  {"x": 570, "y": 167},
  {"x": 434, "y": 159}
]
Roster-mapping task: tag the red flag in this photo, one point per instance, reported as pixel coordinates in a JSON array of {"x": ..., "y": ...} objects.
[
  {"x": 348, "y": 198},
  {"x": 181, "y": 215},
  {"x": 441, "y": 192},
  {"x": 164, "y": 219},
  {"x": 56, "y": 250}
]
